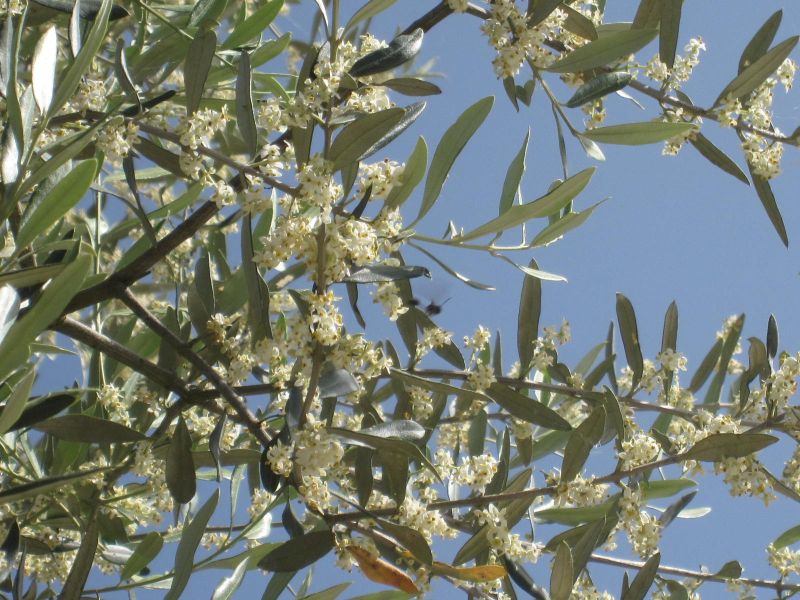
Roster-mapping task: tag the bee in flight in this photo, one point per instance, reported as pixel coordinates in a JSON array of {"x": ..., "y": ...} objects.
[{"x": 431, "y": 309}]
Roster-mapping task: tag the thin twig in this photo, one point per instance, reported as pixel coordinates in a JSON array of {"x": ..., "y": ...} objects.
[
  {"x": 231, "y": 397},
  {"x": 80, "y": 332},
  {"x": 141, "y": 266},
  {"x": 634, "y": 564},
  {"x": 219, "y": 157}
]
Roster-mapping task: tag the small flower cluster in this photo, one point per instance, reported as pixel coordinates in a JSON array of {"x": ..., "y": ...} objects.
[
  {"x": 762, "y": 153},
  {"x": 514, "y": 40},
  {"x": 681, "y": 70},
  {"x": 784, "y": 560},
  {"x": 476, "y": 472},
  {"x": 578, "y": 492},
  {"x": 642, "y": 528},
  {"x": 432, "y": 337},
  {"x": 116, "y": 139},
  {"x": 501, "y": 540}
]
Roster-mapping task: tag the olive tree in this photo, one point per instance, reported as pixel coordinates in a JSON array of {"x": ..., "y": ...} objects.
[{"x": 195, "y": 204}]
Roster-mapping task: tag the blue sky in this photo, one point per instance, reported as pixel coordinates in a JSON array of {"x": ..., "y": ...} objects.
[{"x": 673, "y": 228}]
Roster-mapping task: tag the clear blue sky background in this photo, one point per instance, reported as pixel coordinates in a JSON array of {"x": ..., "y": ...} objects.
[{"x": 674, "y": 228}]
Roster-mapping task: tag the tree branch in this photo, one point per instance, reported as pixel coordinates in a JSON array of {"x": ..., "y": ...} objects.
[
  {"x": 634, "y": 564},
  {"x": 248, "y": 419},
  {"x": 80, "y": 332},
  {"x": 141, "y": 266}
]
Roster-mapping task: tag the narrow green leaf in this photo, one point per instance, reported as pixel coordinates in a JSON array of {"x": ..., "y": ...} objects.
[
  {"x": 83, "y": 560},
  {"x": 400, "y": 50},
  {"x": 772, "y": 336},
  {"x": 89, "y": 9},
  {"x": 453, "y": 273},
  {"x": 277, "y": 583},
  {"x": 124, "y": 77},
  {"x": 368, "y": 11},
  {"x": 58, "y": 202},
  {"x": 54, "y": 299},
  {"x": 648, "y": 15},
  {"x": 75, "y": 72},
  {"x": 257, "y": 288},
  {"x": 245, "y": 117},
  {"x": 411, "y": 86},
  {"x": 758, "y": 72},
  {"x": 730, "y": 570},
  {"x": 669, "y": 333},
  {"x": 253, "y": 25},
  {"x": 514, "y": 175},
  {"x": 561, "y": 576},
  {"x": 664, "y": 488},
  {"x": 75, "y": 36},
  {"x": 15, "y": 404},
  {"x": 668, "y": 30},
  {"x": 382, "y": 273},
  {"x": 634, "y": 134},
  {"x": 197, "y": 66},
  {"x": 717, "y": 157},
  {"x": 269, "y": 50},
  {"x": 190, "y": 539},
  {"x": 402, "y": 430},
  {"x": 9, "y": 167},
  {"x": 228, "y": 586},
  {"x": 357, "y": 137},
  {"x": 539, "y": 10},
  {"x": 337, "y": 382},
  {"x": 598, "y": 87},
  {"x": 387, "y": 446},
  {"x": 298, "y": 552},
  {"x": 674, "y": 509},
  {"x": 450, "y": 146},
  {"x": 42, "y": 486},
  {"x": 787, "y": 538},
  {"x": 581, "y": 442},
  {"x": 728, "y": 348},
  {"x": 527, "y": 409},
  {"x": 410, "y": 539},
  {"x": 604, "y": 51},
  {"x": 206, "y": 11},
  {"x": 764, "y": 191},
  {"x": 410, "y": 114},
  {"x": 629, "y": 332},
  {"x": 202, "y": 302},
  {"x": 413, "y": 173},
  {"x": 543, "y": 206},
  {"x": 145, "y": 552},
  {"x": 706, "y": 366},
  {"x": 330, "y": 593},
  {"x": 436, "y": 386},
  {"x": 594, "y": 535},
  {"x": 644, "y": 579},
  {"x": 761, "y": 41},
  {"x": 180, "y": 469},
  {"x": 578, "y": 23},
  {"x": 530, "y": 309},
  {"x": 717, "y": 446},
  {"x": 90, "y": 430},
  {"x": 6, "y": 54},
  {"x": 43, "y": 68},
  {"x": 669, "y": 339},
  {"x": 42, "y": 408},
  {"x": 564, "y": 225},
  {"x": 577, "y": 515}
]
